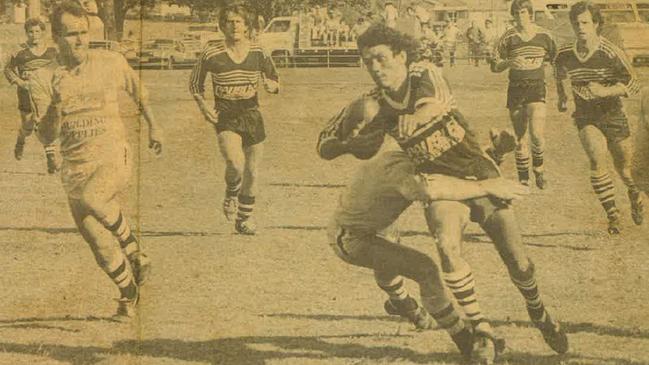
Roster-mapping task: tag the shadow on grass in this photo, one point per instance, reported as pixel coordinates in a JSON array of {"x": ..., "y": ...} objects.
[
  {"x": 259, "y": 350},
  {"x": 569, "y": 327}
]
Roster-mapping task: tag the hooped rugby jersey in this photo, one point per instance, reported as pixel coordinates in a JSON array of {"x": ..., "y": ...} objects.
[
  {"x": 82, "y": 104},
  {"x": 23, "y": 62},
  {"x": 235, "y": 84},
  {"x": 607, "y": 65},
  {"x": 532, "y": 53},
  {"x": 445, "y": 144}
]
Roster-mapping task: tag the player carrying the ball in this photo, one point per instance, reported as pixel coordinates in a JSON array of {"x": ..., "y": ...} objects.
[
  {"x": 417, "y": 109},
  {"x": 237, "y": 65},
  {"x": 600, "y": 75},
  {"x": 78, "y": 104},
  {"x": 33, "y": 56},
  {"x": 364, "y": 230},
  {"x": 523, "y": 50}
]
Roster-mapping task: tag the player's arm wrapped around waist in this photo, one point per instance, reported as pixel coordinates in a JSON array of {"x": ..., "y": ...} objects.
[{"x": 431, "y": 187}]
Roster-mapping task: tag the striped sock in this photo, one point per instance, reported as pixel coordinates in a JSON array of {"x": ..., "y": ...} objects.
[
  {"x": 122, "y": 232},
  {"x": 605, "y": 190},
  {"x": 123, "y": 278},
  {"x": 537, "y": 159},
  {"x": 447, "y": 317},
  {"x": 394, "y": 288},
  {"x": 50, "y": 150},
  {"x": 523, "y": 165},
  {"x": 462, "y": 285},
  {"x": 232, "y": 188},
  {"x": 246, "y": 205},
  {"x": 526, "y": 284}
]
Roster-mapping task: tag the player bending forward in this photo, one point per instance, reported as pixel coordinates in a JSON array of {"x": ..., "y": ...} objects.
[
  {"x": 17, "y": 71},
  {"x": 236, "y": 65},
  {"x": 417, "y": 109},
  {"x": 600, "y": 74},
  {"x": 79, "y": 105}
]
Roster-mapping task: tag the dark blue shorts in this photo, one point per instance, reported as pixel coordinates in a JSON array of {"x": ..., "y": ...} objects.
[
  {"x": 249, "y": 124},
  {"x": 523, "y": 92}
]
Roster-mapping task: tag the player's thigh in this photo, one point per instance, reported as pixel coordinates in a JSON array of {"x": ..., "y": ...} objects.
[
  {"x": 536, "y": 113},
  {"x": 518, "y": 116},
  {"x": 105, "y": 183},
  {"x": 621, "y": 150},
  {"x": 99, "y": 239},
  {"x": 230, "y": 146},
  {"x": 595, "y": 145},
  {"x": 253, "y": 155},
  {"x": 447, "y": 218}
]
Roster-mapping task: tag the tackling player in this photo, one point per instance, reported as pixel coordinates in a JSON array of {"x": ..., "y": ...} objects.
[
  {"x": 363, "y": 230},
  {"x": 79, "y": 105},
  {"x": 416, "y": 108},
  {"x": 600, "y": 74},
  {"x": 523, "y": 50},
  {"x": 237, "y": 65},
  {"x": 33, "y": 56}
]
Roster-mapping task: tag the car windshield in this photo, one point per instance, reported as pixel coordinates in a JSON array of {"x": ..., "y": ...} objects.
[{"x": 278, "y": 26}]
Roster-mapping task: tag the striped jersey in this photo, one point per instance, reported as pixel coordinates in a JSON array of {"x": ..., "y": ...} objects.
[
  {"x": 24, "y": 61},
  {"x": 235, "y": 84},
  {"x": 531, "y": 53},
  {"x": 606, "y": 65}
]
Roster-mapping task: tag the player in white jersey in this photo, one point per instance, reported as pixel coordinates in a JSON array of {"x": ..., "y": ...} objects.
[
  {"x": 237, "y": 65},
  {"x": 523, "y": 50},
  {"x": 79, "y": 105}
]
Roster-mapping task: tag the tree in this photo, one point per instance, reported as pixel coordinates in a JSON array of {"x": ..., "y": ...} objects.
[{"x": 113, "y": 13}]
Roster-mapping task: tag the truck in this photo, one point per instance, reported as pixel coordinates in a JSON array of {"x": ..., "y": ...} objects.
[
  {"x": 626, "y": 24},
  {"x": 289, "y": 42}
]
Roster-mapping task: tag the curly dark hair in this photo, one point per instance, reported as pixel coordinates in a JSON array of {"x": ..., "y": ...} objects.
[
  {"x": 70, "y": 7},
  {"x": 380, "y": 34},
  {"x": 33, "y": 22},
  {"x": 586, "y": 6}
]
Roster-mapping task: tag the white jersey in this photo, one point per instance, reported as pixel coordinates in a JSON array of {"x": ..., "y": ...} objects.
[{"x": 83, "y": 105}]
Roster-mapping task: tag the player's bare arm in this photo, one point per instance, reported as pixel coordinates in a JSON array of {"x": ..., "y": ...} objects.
[
  {"x": 443, "y": 187},
  {"x": 155, "y": 131},
  {"x": 602, "y": 91}
]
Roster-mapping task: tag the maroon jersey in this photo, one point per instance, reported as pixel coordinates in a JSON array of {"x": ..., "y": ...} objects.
[
  {"x": 446, "y": 143},
  {"x": 531, "y": 52},
  {"x": 606, "y": 65},
  {"x": 24, "y": 61},
  {"x": 235, "y": 84}
]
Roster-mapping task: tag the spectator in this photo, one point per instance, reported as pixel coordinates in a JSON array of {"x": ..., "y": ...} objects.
[
  {"x": 358, "y": 28},
  {"x": 490, "y": 39},
  {"x": 390, "y": 14},
  {"x": 474, "y": 38},
  {"x": 450, "y": 36}
]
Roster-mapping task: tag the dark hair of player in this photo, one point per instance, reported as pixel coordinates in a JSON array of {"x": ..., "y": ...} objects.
[
  {"x": 586, "y": 6},
  {"x": 70, "y": 7},
  {"x": 239, "y": 10},
  {"x": 33, "y": 22},
  {"x": 518, "y": 5},
  {"x": 380, "y": 34}
]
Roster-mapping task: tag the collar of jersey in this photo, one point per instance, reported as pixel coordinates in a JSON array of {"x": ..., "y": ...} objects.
[
  {"x": 590, "y": 53},
  {"x": 395, "y": 104}
]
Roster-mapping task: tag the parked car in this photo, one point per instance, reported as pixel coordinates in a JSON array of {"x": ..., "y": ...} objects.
[
  {"x": 162, "y": 53},
  {"x": 108, "y": 45}
]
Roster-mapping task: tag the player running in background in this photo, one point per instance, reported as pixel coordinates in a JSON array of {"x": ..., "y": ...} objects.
[
  {"x": 600, "y": 74},
  {"x": 79, "y": 105},
  {"x": 33, "y": 56},
  {"x": 416, "y": 108},
  {"x": 523, "y": 50},
  {"x": 236, "y": 65},
  {"x": 364, "y": 233}
]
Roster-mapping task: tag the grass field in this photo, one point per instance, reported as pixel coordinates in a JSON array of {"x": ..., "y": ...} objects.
[{"x": 282, "y": 297}]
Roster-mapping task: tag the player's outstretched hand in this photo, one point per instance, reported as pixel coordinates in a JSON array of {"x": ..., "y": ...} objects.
[
  {"x": 155, "y": 140},
  {"x": 505, "y": 189},
  {"x": 598, "y": 90}
]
